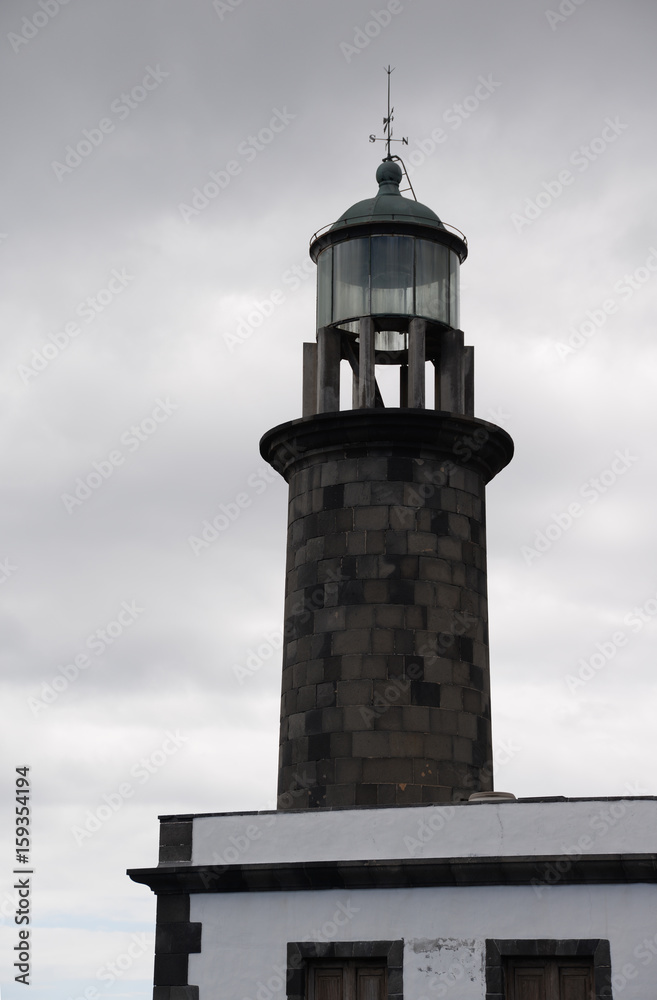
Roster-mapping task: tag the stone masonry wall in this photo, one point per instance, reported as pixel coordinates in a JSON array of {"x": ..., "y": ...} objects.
[{"x": 385, "y": 679}]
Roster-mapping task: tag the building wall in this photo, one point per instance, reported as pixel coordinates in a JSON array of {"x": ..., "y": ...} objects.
[
  {"x": 573, "y": 828},
  {"x": 245, "y": 935}
]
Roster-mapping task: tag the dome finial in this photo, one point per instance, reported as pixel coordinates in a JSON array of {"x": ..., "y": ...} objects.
[{"x": 387, "y": 124}]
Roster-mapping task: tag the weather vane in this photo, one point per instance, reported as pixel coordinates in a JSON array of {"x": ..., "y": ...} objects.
[{"x": 387, "y": 123}]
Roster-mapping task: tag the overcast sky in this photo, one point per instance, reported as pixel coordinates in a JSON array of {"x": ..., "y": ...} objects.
[{"x": 129, "y": 414}]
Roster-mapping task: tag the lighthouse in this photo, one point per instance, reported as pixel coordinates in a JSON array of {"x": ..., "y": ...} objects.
[
  {"x": 392, "y": 869},
  {"x": 386, "y": 693}
]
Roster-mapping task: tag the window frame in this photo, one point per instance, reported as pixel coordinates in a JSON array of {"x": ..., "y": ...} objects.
[
  {"x": 301, "y": 954},
  {"x": 498, "y": 952}
]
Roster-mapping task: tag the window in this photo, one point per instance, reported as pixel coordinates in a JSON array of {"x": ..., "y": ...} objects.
[
  {"x": 354, "y": 980},
  {"x": 546, "y": 969},
  {"x": 549, "y": 979},
  {"x": 345, "y": 970}
]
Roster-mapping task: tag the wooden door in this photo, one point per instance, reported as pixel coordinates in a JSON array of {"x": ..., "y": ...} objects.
[
  {"x": 549, "y": 979},
  {"x": 347, "y": 981}
]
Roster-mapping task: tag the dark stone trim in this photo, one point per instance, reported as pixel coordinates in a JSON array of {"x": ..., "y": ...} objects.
[
  {"x": 175, "y": 939},
  {"x": 175, "y": 840},
  {"x": 597, "y": 948},
  {"x": 541, "y": 873},
  {"x": 299, "y": 953},
  {"x": 445, "y": 436}
]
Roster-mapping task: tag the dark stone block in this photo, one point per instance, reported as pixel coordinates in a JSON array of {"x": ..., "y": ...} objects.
[
  {"x": 335, "y": 545},
  {"x": 172, "y": 855},
  {"x": 446, "y": 644},
  {"x": 177, "y": 938},
  {"x": 439, "y": 522},
  {"x": 317, "y": 796},
  {"x": 313, "y": 597},
  {"x": 366, "y": 795},
  {"x": 465, "y": 649},
  {"x": 371, "y": 518},
  {"x": 386, "y": 795},
  {"x": 176, "y": 993},
  {"x": 321, "y": 649},
  {"x": 326, "y": 772},
  {"x": 401, "y": 470},
  {"x": 344, "y": 519},
  {"x": 175, "y": 833},
  {"x": 401, "y": 592},
  {"x": 349, "y": 771},
  {"x": 395, "y": 981},
  {"x": 313, "y": 722},
  {"x": 387, "y": 493},
  {"x": 296, "y": 982},
  {"x": 396, "y": 543},
  {"x": 476, "y": 676},
  {"x": 404, "y": 641},
  {"x": 173, "y": 909},
  {"x": 170, "y": 970},
  {"x": 319, "y": 746},
  {"x": 341, "y": 744},
  {"x": 395, "y": 954},
  {"x": 351, "y": 592},
  {"x": 340, "y": 796},
  {"x": 414, "y": 667},
  {"x": 333, "y": 497},
  {"x": 326, "y": 522},
  {"x": 425, "y": 693},
  {"x": 326, "y": 695}
]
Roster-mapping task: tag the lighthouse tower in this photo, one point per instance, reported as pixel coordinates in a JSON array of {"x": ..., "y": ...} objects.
[{"x": 385, "y": 697}]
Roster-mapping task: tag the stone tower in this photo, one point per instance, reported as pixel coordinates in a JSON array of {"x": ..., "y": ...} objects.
[{"x": 385, "y": 694}]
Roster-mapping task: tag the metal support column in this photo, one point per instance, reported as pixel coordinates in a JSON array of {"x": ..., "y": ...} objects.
[
  {"x": 328, "y": 370},
  {"x": 309, "y": 380},
  {"x": 416, "y": 361},
  {"x": 366, "y": 374}
]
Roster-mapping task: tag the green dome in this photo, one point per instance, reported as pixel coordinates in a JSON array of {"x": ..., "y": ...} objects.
[
  {"x": 389, "y": 213},
  {"x": 388, "y": 205}
]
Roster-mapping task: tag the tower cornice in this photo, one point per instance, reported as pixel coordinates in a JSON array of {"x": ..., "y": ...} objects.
[{"x": 467, "y": 442}]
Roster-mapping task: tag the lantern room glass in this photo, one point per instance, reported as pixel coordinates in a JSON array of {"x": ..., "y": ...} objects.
[{"x": 387, "y": 276}]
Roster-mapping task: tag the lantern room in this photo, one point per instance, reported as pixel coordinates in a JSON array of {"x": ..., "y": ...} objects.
[{"x": 388, "y": 293}]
